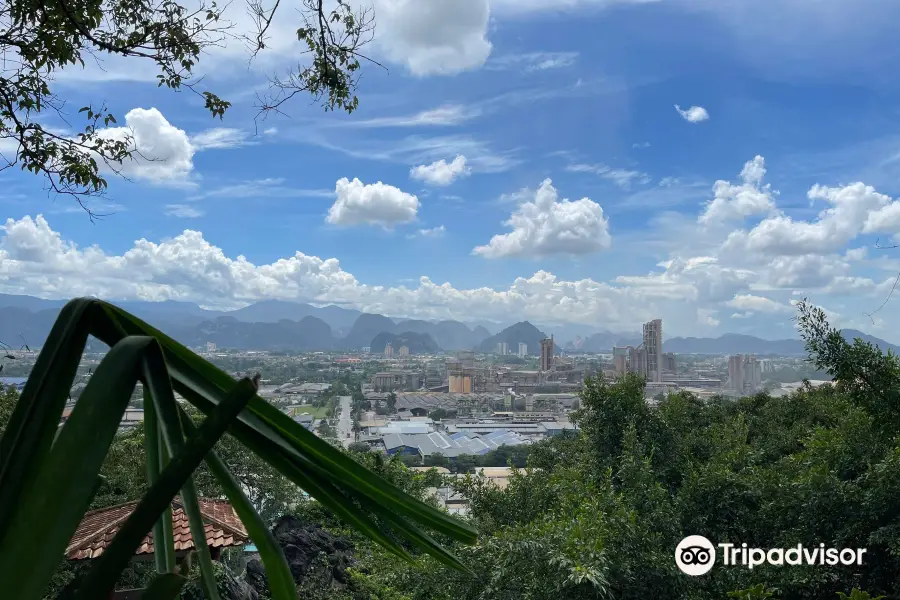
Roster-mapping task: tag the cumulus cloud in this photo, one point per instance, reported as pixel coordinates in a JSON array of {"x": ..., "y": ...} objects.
[
  {"x": 438, "y": 37},
  {"x": 694, "y": 114},
  {"x": 546, "y": 226},
  {"x": 736, "y": 202},
  {"x": 441, "y": 172},
  {"x": 372, "y": 204},
  {"x": 854, "y": 209},
  {"x": 35, "y": 258},
  {"x": 163, "y": 152},
  {"x": 749, "y": 302}
]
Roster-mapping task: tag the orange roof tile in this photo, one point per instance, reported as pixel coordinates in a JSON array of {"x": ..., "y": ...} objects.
[{"x": 98, "y": 527}]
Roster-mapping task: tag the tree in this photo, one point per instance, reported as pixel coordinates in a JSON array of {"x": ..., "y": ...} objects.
[
  {"x": 38, "y": 39},
  {"x": 436, "y": 460},
  {"x": 359, "y": 447},
  {"x": 438, "y": 414},
  {"x": 392, "y": 403}
]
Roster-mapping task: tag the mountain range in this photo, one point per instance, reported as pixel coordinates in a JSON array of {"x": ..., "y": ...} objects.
[
  {"x": 275, "y": 324},
  {"x": 267, "y": 325}
]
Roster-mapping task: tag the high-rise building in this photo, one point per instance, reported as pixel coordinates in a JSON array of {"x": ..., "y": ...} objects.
[
  {"x": 653, "y": 347},
  {"x": 388, "y": 350},
  {"x": 523, "y": 350},
  {"x": 210, "y": 346},
  {"x": 620, "y": 360},
  {"x": 502, "y": 348},
  {"x": 547, "y": 354},
  {"x": 403, "y": 351}
]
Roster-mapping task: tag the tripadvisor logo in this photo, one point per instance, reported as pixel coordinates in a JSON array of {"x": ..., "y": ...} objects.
[{"x": 696, "y": 555}]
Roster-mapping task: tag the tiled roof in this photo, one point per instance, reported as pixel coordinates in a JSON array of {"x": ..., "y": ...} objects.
[{"x": 97, "y": 529}]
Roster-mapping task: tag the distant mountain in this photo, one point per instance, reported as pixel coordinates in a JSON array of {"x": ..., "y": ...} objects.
[
  {"x": 29, "y": 303},
  {"x": 603, "y": 342},
  {"x": 364, "y": 329},
  {"x": 480, "y": 333},
  {"x": 513, "y": 336},
  {"x": 449, "y": 335},
  {"x": 309, "y": 333},
  {"x": 20, "y": 327},
  {"x": 418, "y": 343},
  {"x": 732, "y": 343},
  {"x": 272, "y": 311}
]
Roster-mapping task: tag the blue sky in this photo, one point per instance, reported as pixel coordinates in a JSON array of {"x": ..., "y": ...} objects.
[{"x": 582, "y": 93}]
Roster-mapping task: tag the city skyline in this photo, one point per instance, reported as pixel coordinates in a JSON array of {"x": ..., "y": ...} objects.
[{"x": 598, "y": 165}]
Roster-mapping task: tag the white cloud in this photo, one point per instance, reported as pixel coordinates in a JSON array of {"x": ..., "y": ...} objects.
[
  {"x": 187, "y": 267},
  {"x": 268, "y": 187},
  {"x": 534, "y": 61},
  {"x": 220, "y": 138},
  {"x": 184, "y": 211},
  {"x": 438, "y": 37},
  {"x": 694, "y": 114},
  {"x": 441, "y": 172},
  {"x": 442, "y": 116},
  {"x": 621, "y": 177},
  {"x": 433, "y": 232},
  {"x": 270, "y": 131},
  {"x": 164, "y": 153},
  {"x": 749, "y": 302},
  {"x": 548, "y": 226},
  {"x": 735, "y": 202},
  {"x": 372, "y": 204},
  {"x": 855, "y": 209}
]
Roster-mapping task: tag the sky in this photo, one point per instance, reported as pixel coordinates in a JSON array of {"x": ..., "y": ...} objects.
[{"x": 590, "y": 163}]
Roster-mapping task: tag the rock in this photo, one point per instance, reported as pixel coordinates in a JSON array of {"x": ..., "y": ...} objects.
[{"x": 302, "y": 545}]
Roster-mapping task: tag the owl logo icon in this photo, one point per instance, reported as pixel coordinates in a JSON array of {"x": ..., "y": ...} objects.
[{"x": 695, "y": 555}]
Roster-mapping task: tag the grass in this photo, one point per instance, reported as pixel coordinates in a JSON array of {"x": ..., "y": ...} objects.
[{"x": 317, "y": 413}]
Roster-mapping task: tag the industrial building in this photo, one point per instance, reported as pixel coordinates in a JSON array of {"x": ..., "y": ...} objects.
[
  {"x": 450, "y": 445},
  {"x": 744, "y": 374},
  {"x": 547, "y": 354}
]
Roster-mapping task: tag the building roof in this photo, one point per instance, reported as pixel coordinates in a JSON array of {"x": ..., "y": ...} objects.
[
  {"x": 98, "y": 527},
  {"x": 451, "y": 446}
]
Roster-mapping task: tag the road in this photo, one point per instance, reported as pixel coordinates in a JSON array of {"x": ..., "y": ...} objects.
[{"x": 345, "y": 422}]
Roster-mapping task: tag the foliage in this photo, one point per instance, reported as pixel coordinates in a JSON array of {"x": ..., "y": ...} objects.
[
  {"x": 40, "y": 39},
  {"x": 359, "y": 447},
  {"x": 48, "y": 473}
]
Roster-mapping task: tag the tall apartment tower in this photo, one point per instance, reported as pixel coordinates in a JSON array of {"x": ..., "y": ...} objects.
[
  {"x": 388, "y": 350},
  {"x": 523, "y": 350},
  {"x": 547, "y": 354},
  {"x": 653, "y": 348},
  {"x": 502, "y": 348}
]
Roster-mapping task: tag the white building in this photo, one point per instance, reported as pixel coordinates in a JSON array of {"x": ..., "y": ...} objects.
[{"x": 523, "y": 350}]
